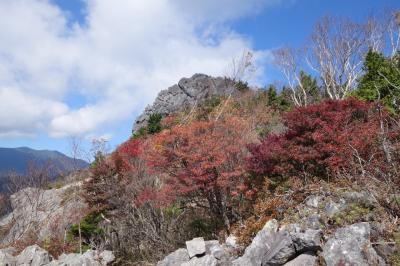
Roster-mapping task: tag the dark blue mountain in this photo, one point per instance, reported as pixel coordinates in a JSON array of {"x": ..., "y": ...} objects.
[{"x": 18, "y": 160}]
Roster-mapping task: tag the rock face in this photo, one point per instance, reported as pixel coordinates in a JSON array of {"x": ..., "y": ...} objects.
[
  {"x": 306, "y": 259},
  {"x": 6, "y": 258},
  {"x": 261, "y": 243},
  {"x": 351, "y": 246},
  {"x": 187, "y": 93},
  {"x": 195, "y": 247},
  {"x": 37, "y": 210},
  {"x": 175, "y": 258},
  {"x": 276, "y": 247},
  {"x": 36, "y": 256}
]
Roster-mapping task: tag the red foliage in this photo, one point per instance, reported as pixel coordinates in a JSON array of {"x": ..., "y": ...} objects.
[
  {"x": 204, "y": 161},
  {"x": 320, "y": 139}
]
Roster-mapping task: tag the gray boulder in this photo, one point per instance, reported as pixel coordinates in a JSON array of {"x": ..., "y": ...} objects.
[
  {"x": 282, "y": 249},
  {"x": 231, "y": 241},
  {"x": 310, "y": 240},
  {"x": 89, "y": 258},
  {"x": 254, "y": 253},
  {"x": 187, "y": 93},
  {"x": 175, "y": 258},
  {"x": 313, "y": 201},
  {"x": 306, "y": 259},
  {"x": 196, "y": 247},
  {"x": 6, "y": 259},
  {"x": 361, "y": 197},
  {"x": 33, "y": 255},
  {"x": 207, "y": 260},
  {"x": 215, "y": 249},
  {"x": 313, "y": 221},
  {"x": 351, "y": 246}
]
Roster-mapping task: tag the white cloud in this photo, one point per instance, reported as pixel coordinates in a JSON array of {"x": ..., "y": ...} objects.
[
  {"x": 124, "y": 53},
  {"x": 221, "y": 10}
]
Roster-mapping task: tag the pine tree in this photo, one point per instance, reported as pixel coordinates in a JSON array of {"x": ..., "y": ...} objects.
[{"x": 381, "y": 80}]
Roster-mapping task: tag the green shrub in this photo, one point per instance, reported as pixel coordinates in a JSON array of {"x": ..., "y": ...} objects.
[{"x": 89, "y": 227}]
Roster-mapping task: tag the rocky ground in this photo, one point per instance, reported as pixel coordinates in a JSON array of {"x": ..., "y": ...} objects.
[
  {"x": 36, "y": 256},
  {"x": 328, "y": 228},
  {"x": 324, "y": 230}
]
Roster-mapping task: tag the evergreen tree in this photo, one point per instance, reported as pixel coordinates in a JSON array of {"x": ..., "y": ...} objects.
[
  {"x": 381, "y": 80},
  {"x": 310, "y": 86},
  {"x": 154, "y": 123}
]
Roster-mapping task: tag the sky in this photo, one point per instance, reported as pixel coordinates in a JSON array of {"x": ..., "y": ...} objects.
[{"x": 87, "y": 68}]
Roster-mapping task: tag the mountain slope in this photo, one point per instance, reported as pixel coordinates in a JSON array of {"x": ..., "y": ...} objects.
[{"x": 18, "y": 159}]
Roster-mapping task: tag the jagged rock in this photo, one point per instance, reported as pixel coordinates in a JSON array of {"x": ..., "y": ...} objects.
[
  {"x": 36, "y": 256},
  {"x": 332, "y": 208},
  {"x": 281, "y": 249},
  {"x": 306, "y": 259},
  {"x": 41, "y": 210},
  {"x": 33, "y": 255},
  {"x": 310, "y": 240},
  {"x": 89, "y": 258},
  {"x": 215, "y": 249},
  {"x": 254, "y": 253},
  {"x": 207, "y": 260},
  {"x": 187, "y": 93},
  {"x": 107, "y": 257},
  {"x": 231, "y": 241},
  {"x": 74, "y": 260},
  {"x": 196, "y": 246},
  {"x": 6, "y": 259},
  {"x": 362, "y": 197},
  {"x": 314, "y": 222},
  {"x": 351, "y": 246},
  {"x": 313, "y": 201},
  {"x": 175, "y": 258}
]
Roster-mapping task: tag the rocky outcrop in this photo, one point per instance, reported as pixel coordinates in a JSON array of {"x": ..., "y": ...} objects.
[
  {"x": 202, "y": 253},
  {"x": 42, "y": 212},
  {"x": 273, "y": 246},
  {"x": 351, "y": 246},
  {"x": 288, "y": 245},
  {"x": 187, "y": 93},
  {"x": 36, "y": 256}
]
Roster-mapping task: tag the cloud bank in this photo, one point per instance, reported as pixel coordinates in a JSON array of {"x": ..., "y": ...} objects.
[{"x": 63, "y": 78}]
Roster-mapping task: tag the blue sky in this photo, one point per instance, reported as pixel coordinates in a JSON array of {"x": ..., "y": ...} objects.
[{"x": 87, "y": 68}]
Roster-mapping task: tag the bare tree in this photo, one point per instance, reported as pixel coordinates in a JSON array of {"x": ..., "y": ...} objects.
[
  {"x": 336, "y": 53},
  {"x": 287, "y": 60},
  {"x": 76, "y": 151},
  {"x": 374, "y": 33},
  {"x": 242, "y": 68},
  {"x": 99, "y": 147},
  {"x": 392, "y": 26}
]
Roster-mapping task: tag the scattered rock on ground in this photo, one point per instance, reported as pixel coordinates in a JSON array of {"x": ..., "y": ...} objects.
[
  {"x": 306, "y": 259},
  {"x": 351, "y": 246},
  {"x": 36, "y": 256},
  {"x": 207, "y": 260},
  {"x": 196, "y": 246},
  {"x": 175, "y": 258}
]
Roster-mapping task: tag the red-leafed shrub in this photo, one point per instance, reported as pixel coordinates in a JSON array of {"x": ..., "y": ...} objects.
[
  {"x": 321, "y": 140},
  {"x": 204, "y": 162}
]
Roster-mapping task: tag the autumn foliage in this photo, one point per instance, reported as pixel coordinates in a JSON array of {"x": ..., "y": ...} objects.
[
  {"x": 204, "y": 162},
  {"x": 321, "y": 141}
]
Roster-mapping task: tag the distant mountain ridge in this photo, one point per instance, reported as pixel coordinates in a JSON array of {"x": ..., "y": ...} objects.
[{"x": 18, "y": 159}]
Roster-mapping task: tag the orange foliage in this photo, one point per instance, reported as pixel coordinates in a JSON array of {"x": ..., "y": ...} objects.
[{"x": 204, "y": 161}]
